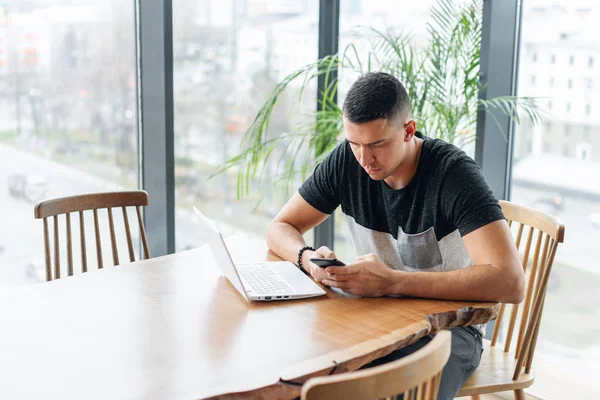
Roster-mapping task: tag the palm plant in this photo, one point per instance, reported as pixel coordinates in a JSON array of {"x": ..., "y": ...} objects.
[{"x": 441, "y": 79}]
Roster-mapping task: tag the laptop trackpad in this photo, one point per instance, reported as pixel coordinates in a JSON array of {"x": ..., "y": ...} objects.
[{"x": 294, "y": 277}]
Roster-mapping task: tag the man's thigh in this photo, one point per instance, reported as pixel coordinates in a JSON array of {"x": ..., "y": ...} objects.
[{"x": 464, "y": 358}]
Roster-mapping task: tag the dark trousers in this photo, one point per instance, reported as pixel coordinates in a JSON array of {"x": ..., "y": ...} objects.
[{"x": 464, "y": 359}]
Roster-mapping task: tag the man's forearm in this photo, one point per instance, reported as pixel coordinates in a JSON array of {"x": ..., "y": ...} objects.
[
  {"x": 478, "y": 282},
  {"x": 285, "y": 240}
]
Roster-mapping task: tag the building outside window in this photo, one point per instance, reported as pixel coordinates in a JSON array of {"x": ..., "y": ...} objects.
[{"x": 539, "y": 178}]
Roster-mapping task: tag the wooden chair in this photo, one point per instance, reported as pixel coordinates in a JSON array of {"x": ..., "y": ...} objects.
[
  {"x": 67, "y": 205},
  {"x": 501, "y": 367},
  {"x": 417, "y": 374}
]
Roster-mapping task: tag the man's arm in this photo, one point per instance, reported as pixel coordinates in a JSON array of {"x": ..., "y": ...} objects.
[
  {"x": 497, "y": 274},
  {"x": 284, "y": 235}
]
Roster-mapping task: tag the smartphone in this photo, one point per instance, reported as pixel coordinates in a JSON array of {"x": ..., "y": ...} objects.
[{"x": 327, "y": 262}]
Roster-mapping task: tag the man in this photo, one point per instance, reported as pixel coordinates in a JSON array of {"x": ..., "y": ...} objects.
[{"x": 422, "y": 218}]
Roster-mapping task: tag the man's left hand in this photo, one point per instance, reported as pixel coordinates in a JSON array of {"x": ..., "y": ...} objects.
[{"x": 368, "y": 277}]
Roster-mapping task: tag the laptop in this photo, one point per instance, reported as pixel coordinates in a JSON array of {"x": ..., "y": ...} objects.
[{"x": 259, "y": 281}]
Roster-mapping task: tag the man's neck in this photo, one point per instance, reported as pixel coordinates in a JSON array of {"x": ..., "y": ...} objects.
[{"x": 406, "y": 171}]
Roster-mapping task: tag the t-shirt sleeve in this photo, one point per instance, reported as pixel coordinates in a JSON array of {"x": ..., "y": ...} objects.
[
  {"x": 322, "y": 189},
  {"x": 467, "y": 200}
]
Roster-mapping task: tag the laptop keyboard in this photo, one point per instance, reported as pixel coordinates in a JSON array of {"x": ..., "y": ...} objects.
[{"x": 263, "y": 280}]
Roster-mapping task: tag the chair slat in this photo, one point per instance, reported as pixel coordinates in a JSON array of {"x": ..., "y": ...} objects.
[
  {"x": 527, "y": 249},
  {"x": 56, "y": 249},
  {"x": 143, "y": 233},
  {"x": 421, "y": 391},
  {"x": 98, "y": 244},
  {"x": 113, "y": 239},
  {"x": 542, "y": 295},
  {"x": 533, "y": 326},
  {"x": 519, "y": 236},
  {"x": 542, "y": 267},
  {"x": 47, "y": 251},
  {"x": 433, "y": 387},
  {"x": 515, "y": 307},
  {"x": 535, "y": 308},
  {"x": 69, "y": 246},
  {"x": 529, "y": 293},
  {"x": 83, "y": 247},
  {"x": 498, "y": 325},
  {"x": 536, "y": 331},
  {"x": 437, "y": 381},
  {"x": 128, "y": 234}
]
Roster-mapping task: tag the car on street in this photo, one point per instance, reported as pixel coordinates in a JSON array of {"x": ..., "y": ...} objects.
[
  {"x": 552, "y": 204},
  {"x": 595, "y": 219},
  {"x": 35, "y": 271},
  {"x": 30, "y": 187}
]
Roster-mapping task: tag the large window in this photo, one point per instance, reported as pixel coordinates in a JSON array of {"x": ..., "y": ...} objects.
[
  {"x": 228, "y": 57},
  {"x": 67, "y": 116},
  {"x": 358, "y": 20},
  {"x": 557, "y": 170}
]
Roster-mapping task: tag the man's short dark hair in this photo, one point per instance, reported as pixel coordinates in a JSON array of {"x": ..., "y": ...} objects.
[{"x": 376, "y": 95}]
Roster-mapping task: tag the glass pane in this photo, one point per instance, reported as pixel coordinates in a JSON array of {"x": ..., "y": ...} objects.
[
  {"x": 556, "y": 167},
  {"x": 361, "y": 23},
  {"x": 68, "y": 120},
  {"x": 228, "y": 57}
]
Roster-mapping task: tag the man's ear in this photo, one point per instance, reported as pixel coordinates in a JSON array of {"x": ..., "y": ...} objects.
[{"x": 410, "y": 128}]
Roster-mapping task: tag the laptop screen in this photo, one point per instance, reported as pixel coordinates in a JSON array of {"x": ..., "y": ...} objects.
[{"x": 211, "y": 235}]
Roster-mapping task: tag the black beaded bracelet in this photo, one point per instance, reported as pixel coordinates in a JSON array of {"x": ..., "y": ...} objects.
[{"x": 302, "y": 250}]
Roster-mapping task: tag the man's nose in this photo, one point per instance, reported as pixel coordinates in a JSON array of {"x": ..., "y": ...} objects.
[{"x": 366, "y": 157}]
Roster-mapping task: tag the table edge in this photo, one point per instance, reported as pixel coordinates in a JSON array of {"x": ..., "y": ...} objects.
[{"x": 351, "y": 359}]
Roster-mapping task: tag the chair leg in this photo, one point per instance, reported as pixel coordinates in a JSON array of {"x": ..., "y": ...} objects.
[{"x": 520, "y": 394}]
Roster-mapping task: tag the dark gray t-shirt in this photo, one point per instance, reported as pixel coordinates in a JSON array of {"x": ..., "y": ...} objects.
[{"x": 418, "y": 227}]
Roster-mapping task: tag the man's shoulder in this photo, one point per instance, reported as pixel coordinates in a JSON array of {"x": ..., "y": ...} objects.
[{"x": 445, "y": 156}]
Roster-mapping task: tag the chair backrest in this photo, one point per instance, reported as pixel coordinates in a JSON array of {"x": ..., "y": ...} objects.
[
  {"x": 416, "y": 375},
  {"x": 542, "y": 234},
  {"x": 94, "y": 202}
]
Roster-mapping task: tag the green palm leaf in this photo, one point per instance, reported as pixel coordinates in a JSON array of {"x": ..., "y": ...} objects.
[{"x": 442, "y": 81}]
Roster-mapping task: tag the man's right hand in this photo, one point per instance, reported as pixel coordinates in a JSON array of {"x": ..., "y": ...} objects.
[{"x": 315, "y": 271}]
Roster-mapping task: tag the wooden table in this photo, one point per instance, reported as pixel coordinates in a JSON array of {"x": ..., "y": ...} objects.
[{"x": 174, "y": 328}]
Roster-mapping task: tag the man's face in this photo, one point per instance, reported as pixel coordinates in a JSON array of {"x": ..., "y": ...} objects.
[{"x": 379, "y": 145}]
